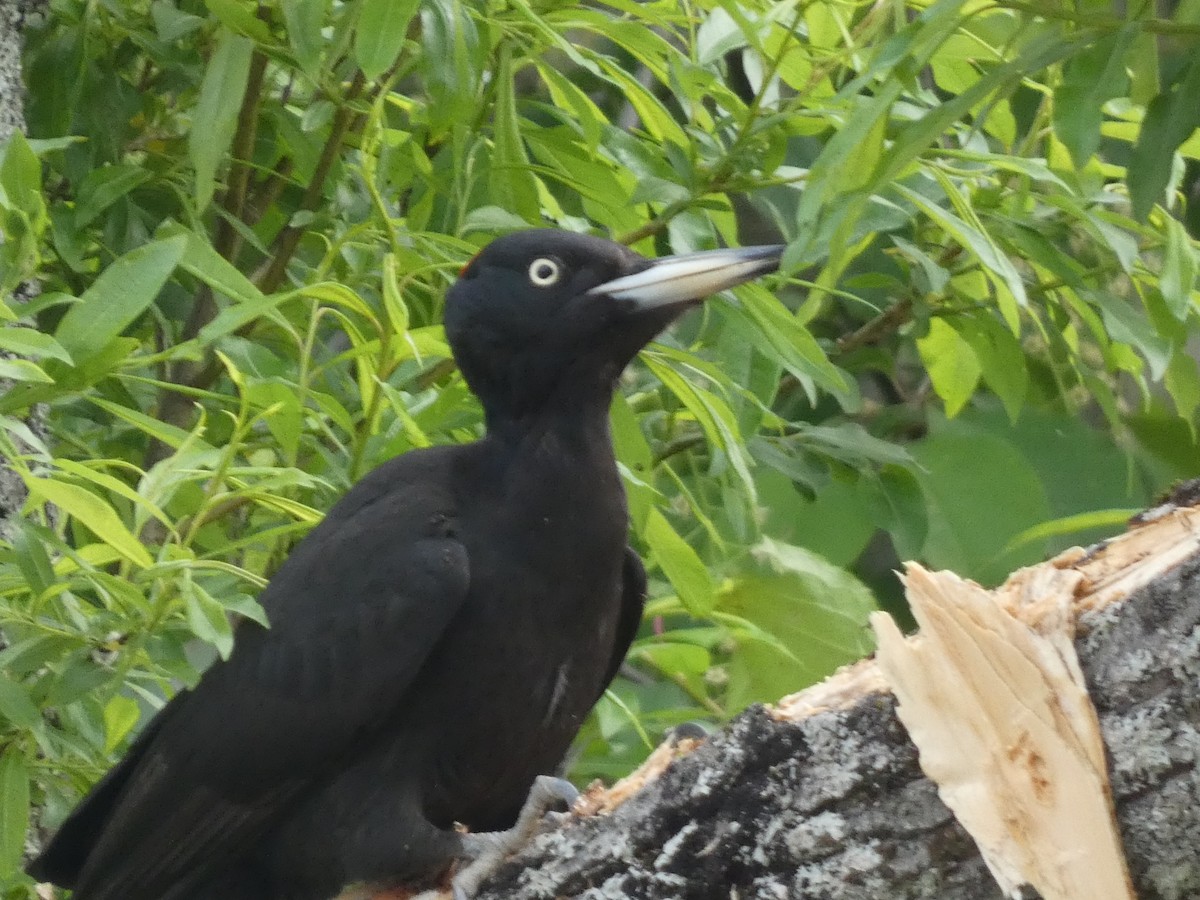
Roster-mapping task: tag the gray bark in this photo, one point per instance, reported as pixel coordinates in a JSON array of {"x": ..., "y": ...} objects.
[
  {"x": 834, "y": 805},
  {"x": 14, "y": 15}
]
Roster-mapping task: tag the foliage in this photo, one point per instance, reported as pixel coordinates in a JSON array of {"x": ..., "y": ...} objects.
[{"x": 243, "y": 218}]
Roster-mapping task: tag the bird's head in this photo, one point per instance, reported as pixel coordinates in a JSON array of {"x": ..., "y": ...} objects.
[{"x": 544, "y": 316}]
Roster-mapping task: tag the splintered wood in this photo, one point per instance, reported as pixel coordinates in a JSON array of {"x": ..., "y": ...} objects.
[
  {"x": 991, "y": 693},
  {"x": 1005, "y": 728}
]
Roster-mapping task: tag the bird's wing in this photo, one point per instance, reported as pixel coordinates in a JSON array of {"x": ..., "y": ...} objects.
[
  {"x": 355, "y": 611},
  {"x": 633, "y": 600}
]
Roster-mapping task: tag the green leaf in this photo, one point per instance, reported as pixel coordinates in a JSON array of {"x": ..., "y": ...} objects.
[
  {"x": 14, "y": 807},
  {"x": 1127, "y": 324},
  {"x": 285, "y": 418},
  {"x": 203, "y": 261},
  {"x": 238, "y": 17},
  {"x": 513, "y": 185},
  {"x": 809, "y": 618},
  {"x": 792, "y": 343},
  {"x": 1114, "y": 519},
  {"x": 118, "y": 296},
  {"x": 304, "y": 20},
  {"x": 680, "y": 563},
  {"x": 712, "y": 413},
  {"x": 32, "y": 558},
  {"x": 21, "y": 176},
  {"x": 23, "y": 370},
  {"x": 393, "y": 299},
  {"x": 1182, "y": 381},
  {"x": 567, "y": 95},
  {"x": 379, "y": 37},
  {"x": 28, "y": 342},
  {"x": 114, "y": 485},
  {"x": 972, "y": 236},
  {"x": 980, "y": 490},
  {"x": 673, "y": 657},
  {"x": 16, "y": 707},
  {"x": 103, "y": 187},
  {"x": 1001, "y": 360},
  {"x": 172, "y": 23},
  {"x": 92, "y": 512},
  {"x": 717, "y": 35},
  {"x": 245, "y": 605},
  {"x": 1170, "y": 119},
  {"x": 451, "y": 57},
  {"x": 120, "y": 715},
  {"x": 635, "y": 457},
  {"x": 171, "y": 435},
  {"x": 1179, "y": 269},
  {"x": 900, "y": 508},
  {"x": 1091, "y": 78},
  {"x": 207, "y": 618},
  {"x": 215, "y": 118},
  {"x": 952, "y": 364}
]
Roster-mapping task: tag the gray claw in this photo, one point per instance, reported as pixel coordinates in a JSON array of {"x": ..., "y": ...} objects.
[{"x": 488, "y": 850}]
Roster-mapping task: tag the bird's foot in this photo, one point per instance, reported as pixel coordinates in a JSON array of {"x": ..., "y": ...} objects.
[{"x": 487, "y": 850}]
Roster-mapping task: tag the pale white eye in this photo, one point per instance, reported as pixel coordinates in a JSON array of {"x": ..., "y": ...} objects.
[{"x": 545, "y": 271}]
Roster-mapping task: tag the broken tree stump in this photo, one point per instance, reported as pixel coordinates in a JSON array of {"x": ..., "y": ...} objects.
[{"x": 822, "y": 795}]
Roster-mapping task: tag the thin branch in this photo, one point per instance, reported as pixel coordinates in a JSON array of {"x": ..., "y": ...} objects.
[
  {"x": 1114, "y": 23},
  {"x": 284, "y": 246},
  {"x": 874, "y": 330}
]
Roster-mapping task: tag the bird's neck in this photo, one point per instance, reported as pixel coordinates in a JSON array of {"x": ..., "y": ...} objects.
[
  {"x": 571, "y": 416},
  {"x": 570, "y": 403}
]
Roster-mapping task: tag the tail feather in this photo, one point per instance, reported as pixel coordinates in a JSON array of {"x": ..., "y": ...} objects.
[{"x": 63, "y": 859}]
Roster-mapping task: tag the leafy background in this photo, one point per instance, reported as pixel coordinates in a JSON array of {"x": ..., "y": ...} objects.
[{"x": 243, "y": 218}]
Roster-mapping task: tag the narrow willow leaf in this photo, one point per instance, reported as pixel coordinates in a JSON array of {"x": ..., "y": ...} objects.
[
  {"x": 21, "y": 176},
  {"x": 635, "y": 456},
  {"x": 1182, "y": 381},
  {"x": 14, "y": 807},
  {"x": 16, "y": 707},
  {"x": 513, "y": 184},
  {"x": 115, "y": 485},
  {"x": 92, "y": 512},
  {"x": 379, "y": 37},
  {"x": 103, "y": 187},
  {"x": 28, "y": 342},
  {"x": 120, "y": 715},
  {"x": 714, "y": 416},
  {"x": 1116, "y": 519},
  {"x": 215, "y": 118},
  {"x": 207, "y": 618},
  {"x": 203, "y": 261},
  {"x": 681, "y": 564},
  {"x": 1000, "y": 357},
  {"x": 393, "y": 300},
  {"x": 795, "y": 345},
  {"x": 238, "y": 17},
  {"x": 118, "y": 296},
  {"x": 304, "y": 20},
  {"x": 33, "y": 558},
  {"x": 999, "y": 267},
  {"x": 1091, "y": 78},
  {"x": 283, "y": 415},
  {"x": 170, "y": 435},
  {"x": 23, "y": 370},
  {"x": 1179, "y": 269},
  {"x": 1171, "y": 117}
]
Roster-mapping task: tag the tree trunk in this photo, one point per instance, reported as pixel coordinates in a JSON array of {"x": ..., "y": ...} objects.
[
  {"x": 822, "y": 795},
  {"x": 13, "y": 15}
]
